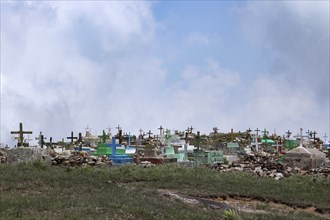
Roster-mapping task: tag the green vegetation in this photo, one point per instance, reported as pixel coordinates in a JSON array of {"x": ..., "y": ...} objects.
[{"x": 38, "y": 191}]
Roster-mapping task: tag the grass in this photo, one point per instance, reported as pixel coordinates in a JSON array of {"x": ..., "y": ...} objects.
[{"x": 38, "y": 191}]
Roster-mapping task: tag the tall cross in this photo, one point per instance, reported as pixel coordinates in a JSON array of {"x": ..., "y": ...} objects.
[
  {"x": 71, "y": 137},
  {"x": 41, "y": 139},
  {"x": 21, "y": 132},
  {"x": 113, "y": 146},
  {"x": 325, "y": 138},
  {"x": 103, "y": 137},
  {"x": 257, "y": 131}
]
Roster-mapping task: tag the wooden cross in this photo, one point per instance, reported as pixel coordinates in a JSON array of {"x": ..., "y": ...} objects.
[
  {"x": 41, "y": 140},
  {"x": 71, "y": 137},
  {"x": 103, "y": 137},
  {"x": 21, "y": 132},
  {"x": 257, "y": 131},
  {"x": 149, "y": 133}
]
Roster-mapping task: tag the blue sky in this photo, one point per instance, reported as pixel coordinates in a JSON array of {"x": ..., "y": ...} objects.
[{"x": 141, "y": 64}]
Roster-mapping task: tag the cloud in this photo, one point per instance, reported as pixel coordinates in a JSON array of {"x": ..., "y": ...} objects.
[
  {"x": 294, "y": 39},
  {"x": 198, "y": 38}
]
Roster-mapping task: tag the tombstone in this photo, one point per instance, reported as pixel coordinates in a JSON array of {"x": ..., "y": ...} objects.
[
  {"x": 304, "y": 158},
  {"x": 20, "y": 132},
  {"x": 121, "y": 158}
]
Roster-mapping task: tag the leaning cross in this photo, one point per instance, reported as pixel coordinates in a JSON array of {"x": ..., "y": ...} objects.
[
  {"x": 71, "y": 137},
  {"x": 21, "y": 132}
]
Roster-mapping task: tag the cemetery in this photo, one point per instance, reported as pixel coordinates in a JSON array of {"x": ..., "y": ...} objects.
[{"x": 170, "y": 160}]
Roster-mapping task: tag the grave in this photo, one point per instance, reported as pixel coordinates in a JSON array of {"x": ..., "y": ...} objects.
[
  {"x": 304, "y": 158},
  {"x": 21, "y": 132},
  {"x": 119, "y": 157}
]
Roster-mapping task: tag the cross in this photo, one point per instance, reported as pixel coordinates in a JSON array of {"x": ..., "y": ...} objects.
[
  {"x": 325, "y": 137},
  {"x": 88, "y": 129},
  {"x": 265, "y": 132},
  {"x": 215, "y": 129},
  {"x": 191, "y": 129},
  {"x": 149, "y": 133},
  {"x": 129, "y": 139},
  {"x": 161, "y": 130},
  {"x": 186, "y": 137},
  {"x": 301, "y": 136},
  {"x": 198, "y": 140},
  {"x": 20, "y": 132},
  {"x": 114, "y": 145},
  {"x": 79, "y": 138},
  {"x": 288, "y": 133},
  {"x": 104, "y": 137},
  {"x": 257, "y": 131},
  {"x": 71, "y": 138},
  {"x": 248, "y": 131},
  {"x": 41, "y": 140},
  {"x": 28, "y": 139},
  {"x": 168, "y": 136},
  {"x": 140, "y": 131},
  {"x": 314, "y": 134},
  {"x": 188, "y": 130},
  {"x": 231, "y": 135},
  {"x": 119, "y": 128},
  {"x": 109, "y": 129}
]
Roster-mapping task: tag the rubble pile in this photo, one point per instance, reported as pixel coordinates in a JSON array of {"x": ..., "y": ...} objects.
[
  {"x": 79, "y": 159},
  {"x": 265, "y": 166}
]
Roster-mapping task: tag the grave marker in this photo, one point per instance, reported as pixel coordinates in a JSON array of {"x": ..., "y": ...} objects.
[
  {"x": 149, "y": 133},
  {"x": 71, "y": 137},
  {"x": 325, "y": 138},
  {"x": 41, "y": 139},
  {"x": 113, "y": 146},
  {"x": 103, "y": 137},
  {"x": 20, "y": 132}
]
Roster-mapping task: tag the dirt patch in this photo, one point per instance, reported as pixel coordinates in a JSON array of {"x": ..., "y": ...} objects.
[{"x": 243, "y": 204}]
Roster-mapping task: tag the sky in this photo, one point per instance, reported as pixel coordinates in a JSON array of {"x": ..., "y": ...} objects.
[{"x": 142, "y": 64}]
